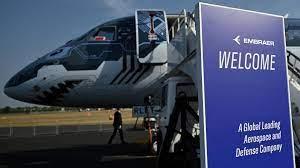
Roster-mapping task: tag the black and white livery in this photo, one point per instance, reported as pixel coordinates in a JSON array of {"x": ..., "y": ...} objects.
[{"x": 98, "y": 69}]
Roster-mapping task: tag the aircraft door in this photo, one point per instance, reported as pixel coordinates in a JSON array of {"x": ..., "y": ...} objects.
[{"x": 151, "y": 36}]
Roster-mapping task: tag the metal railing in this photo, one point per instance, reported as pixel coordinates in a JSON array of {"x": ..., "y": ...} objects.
[
  {"x": 293, "y": 65},
  {"x": 179, "y": 21},
  {"x": 31, "y": 131}
]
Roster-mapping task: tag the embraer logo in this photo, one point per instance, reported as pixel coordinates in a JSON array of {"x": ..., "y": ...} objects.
[
  {"x": 237, "y": 40},
  {"x": 253, "y": 41}
]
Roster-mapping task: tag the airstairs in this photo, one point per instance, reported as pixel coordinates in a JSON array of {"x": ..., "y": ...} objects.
[
  {"x": 294, "y": 75},
  {"x": 294, "y": 82},
  {"x": 182, "y": 46}
]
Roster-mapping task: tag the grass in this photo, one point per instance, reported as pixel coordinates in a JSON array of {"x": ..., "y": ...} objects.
[{"x": 63, "y": 118}]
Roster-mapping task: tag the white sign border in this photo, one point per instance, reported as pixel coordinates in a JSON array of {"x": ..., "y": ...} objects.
[{"x": 201, "y": 69}]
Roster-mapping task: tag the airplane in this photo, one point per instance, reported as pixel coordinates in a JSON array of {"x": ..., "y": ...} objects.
[
  {"x": 97, "y": 69},
  {"x": 100, "y": 69}
]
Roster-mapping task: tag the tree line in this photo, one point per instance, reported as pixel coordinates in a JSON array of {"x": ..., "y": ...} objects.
[{"x": 8, "y": 109}]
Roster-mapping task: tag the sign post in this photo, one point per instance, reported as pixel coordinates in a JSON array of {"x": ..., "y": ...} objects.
[{"x": 243, "y": 89}]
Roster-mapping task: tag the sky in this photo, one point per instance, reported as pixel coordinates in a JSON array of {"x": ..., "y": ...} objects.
[{"x": 32, "y": 28}]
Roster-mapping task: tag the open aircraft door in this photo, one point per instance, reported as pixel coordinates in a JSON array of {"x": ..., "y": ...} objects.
[{"x": 151, "y": 36}]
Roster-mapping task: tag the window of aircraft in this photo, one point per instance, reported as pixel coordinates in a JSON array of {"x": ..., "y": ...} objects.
[
  {"x": 123, "y": 32},
  {"x": 85, "y": 36},
  {"x": 82, "y": 37},
  {"x": 108, "y": 30},
  {"x": 104, "y": 34},
  {"x": 293, "y": 36}
]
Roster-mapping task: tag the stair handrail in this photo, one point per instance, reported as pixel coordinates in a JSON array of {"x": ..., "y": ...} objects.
[
  {"x": 180, "y": 20},
  {"x": 292, "y": 65}
]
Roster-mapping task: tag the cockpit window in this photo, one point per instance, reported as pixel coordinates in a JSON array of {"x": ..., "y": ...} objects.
[
  {"x": 104, "y": 34},
  {"x": 84, "y": 37}
]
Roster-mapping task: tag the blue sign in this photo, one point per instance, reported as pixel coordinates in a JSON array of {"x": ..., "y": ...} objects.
[{"x": 245, "y": 90}]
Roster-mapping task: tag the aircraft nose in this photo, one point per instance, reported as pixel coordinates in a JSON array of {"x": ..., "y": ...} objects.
[
  {"x": 5, "y": 91},
  {"x": 12, "y": 89},
  {"x": 8, "y": 91},
  {"x": 12, "y": 82},
  {"x": 9, "y": 87}
]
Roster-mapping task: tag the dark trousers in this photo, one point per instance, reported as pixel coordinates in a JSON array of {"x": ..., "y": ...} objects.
[{"x": 114, "y": 134}]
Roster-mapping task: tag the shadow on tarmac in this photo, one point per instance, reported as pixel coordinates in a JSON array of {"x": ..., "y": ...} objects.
[
  {"x": 106, "y": 156},
  {"x": 77, "y": 150}
]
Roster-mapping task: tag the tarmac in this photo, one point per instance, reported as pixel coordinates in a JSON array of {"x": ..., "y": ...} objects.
[{"x": 88, "y": 149}]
